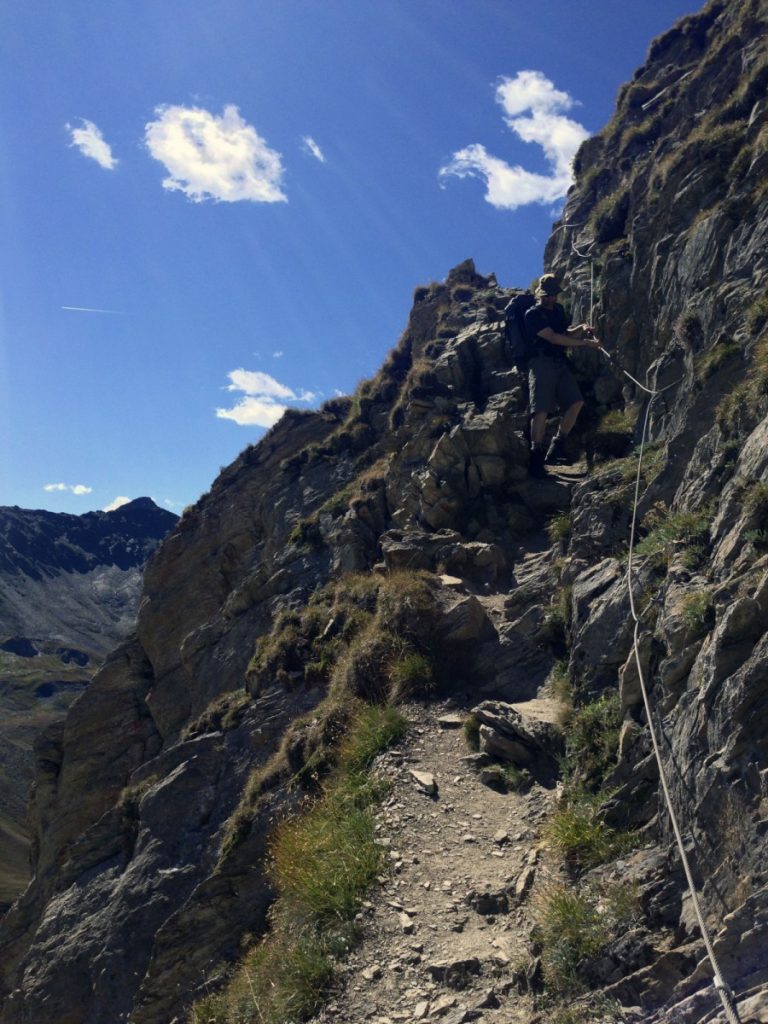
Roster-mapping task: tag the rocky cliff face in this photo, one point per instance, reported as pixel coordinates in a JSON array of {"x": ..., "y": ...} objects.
[
  {"x": 155, "y": 798},
  {"x": 69, "y": 592}
]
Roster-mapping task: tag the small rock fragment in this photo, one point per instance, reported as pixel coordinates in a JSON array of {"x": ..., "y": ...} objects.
[
  {"x": 443, "y": 1005},
  {"x": 456, "y": 973},
  {"x": 452, "y": 582},
  {"x": 485, "y": 901},
  {"x": 488, "y": 1000},
  {"x": 524, "y": 883},
  {"x": 425, "y": 781},
  {"x": 459, "y": 1016},
  {"x": 450, "y": 721},
  {"x": 406, "y": 923}
]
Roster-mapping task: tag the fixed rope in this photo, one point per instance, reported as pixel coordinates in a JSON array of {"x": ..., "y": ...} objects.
[
  {"x": 588, "y": 256},
  {"x": 723, "y": 990}
]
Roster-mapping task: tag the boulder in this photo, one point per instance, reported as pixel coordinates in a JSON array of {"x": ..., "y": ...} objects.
[{"x": 513, "y": 736}]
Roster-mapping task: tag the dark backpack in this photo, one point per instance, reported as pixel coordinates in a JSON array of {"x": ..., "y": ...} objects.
[{"x": 519, "y": 348}]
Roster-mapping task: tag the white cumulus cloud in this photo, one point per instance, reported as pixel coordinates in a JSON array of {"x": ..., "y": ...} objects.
[
  {"x": 534, "y": 111},
  {"x": 89, "y": 140},
  {"x": 263, "y": 401},
  {"x": 119, "y": 501},
  {"x": 253, "y": 412},
  {"x": 74, "y": 488},
  {"x": 313, "y": 149},
  {"x": 254, "y": 382},
  {"x": 210, "y": 157}
]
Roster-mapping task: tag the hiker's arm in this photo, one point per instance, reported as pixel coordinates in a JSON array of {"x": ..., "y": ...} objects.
[
  {"x": 579, "y": 331},
  {"x": 566, "y": 340}
]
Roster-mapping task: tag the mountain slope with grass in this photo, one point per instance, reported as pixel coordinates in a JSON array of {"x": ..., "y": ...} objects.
[
  {"x": 69, "y": 592},
  {"x": 242, "y": 756}
]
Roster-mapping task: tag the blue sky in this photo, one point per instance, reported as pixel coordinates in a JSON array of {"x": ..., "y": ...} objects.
[{"x": 213, "y": 210}]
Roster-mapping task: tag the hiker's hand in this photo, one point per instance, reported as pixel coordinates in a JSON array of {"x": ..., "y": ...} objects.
[{"x": 592, "y": 342}]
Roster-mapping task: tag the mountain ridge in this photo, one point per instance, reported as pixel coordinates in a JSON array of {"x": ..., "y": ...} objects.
[
  {"x": 69, "y": 591},
  {"x": 398, "y": 528}
]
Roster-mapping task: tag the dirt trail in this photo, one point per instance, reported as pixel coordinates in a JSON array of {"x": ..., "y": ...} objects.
[{"x": 445, "y": 929}]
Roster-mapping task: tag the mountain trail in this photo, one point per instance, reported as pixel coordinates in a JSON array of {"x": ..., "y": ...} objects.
[{"x": 450, "y": 921}]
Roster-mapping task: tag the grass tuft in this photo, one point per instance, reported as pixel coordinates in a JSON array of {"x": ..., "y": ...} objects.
[
  {"x": 559, "y": 528},
  {"x": 321, "y": 863},
  {"x": 471, "y": 727},
  {"x": 666, "y": 529},
  {"x": 592, "y": 742},
  {"x": 697, "y": 611},
  {"x": 410, "y": 676},
  {"x": 578, "y": 832},
  {"x": 323, "y": 860},
  {"x": 560, "y": 683},
  {"x": 575, "y": 926}
]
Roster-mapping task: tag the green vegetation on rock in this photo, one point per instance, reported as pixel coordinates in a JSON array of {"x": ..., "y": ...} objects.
[
  {"x": 574, "y": 927},
  {"x": 321, "y": 864},
  {"x": 665, "y": 529}
]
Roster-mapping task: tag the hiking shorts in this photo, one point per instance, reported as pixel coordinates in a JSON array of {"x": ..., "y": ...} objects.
[{"x": 552, "y": 385}]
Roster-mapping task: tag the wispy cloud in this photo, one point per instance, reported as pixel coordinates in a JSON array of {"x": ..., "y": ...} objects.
[
  {"x": 311, "y": 147},
  {"x": 119, "y": 501},
  {"x": 533, "y": 110},
  {"x": 74, "y": 488},
  {"x": 278, "y": 355},
  {"x": 91, "y": 143},
  {"x": 88, "y": 309},
  {"x": 263, "y": 401},
  {"x": 210, "y": 157}
]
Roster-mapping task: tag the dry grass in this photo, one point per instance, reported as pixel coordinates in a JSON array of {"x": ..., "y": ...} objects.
[{"x": 321, "y": 863}]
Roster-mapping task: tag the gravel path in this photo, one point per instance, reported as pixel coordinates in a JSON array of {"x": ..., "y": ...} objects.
[{"x": 450, "y": 921}]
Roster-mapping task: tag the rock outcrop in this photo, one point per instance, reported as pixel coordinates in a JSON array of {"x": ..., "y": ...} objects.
[
  {"x": 408, "y": 507},
  {"x": 69, "y": 593}
]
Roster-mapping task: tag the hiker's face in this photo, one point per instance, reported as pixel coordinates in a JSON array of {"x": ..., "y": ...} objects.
[{"x": 549, "y": 301}]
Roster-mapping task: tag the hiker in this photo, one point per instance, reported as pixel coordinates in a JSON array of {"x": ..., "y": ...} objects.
[{"x": 550, "y": 380}]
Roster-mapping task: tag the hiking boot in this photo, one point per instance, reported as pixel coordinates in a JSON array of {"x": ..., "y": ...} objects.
[
  {"x": 556, "y": 454},
  {"x": 536, "y": 463}
]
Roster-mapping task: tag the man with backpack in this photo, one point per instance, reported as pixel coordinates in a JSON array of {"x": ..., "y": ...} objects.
[{"x": 551, "y": 382}]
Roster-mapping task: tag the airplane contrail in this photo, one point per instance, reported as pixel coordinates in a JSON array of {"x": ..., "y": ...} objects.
[{"x": 87, "y": 309}]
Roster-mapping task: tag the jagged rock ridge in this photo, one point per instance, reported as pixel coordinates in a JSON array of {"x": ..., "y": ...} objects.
[
  {"x": 69, "y": 592},
  {"x": 142, "y": 880}
]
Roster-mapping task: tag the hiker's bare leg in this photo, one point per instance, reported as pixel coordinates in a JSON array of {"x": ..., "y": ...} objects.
[
  {"x": 539, "y": 426},
  {"x": 569, "y": 418}
]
